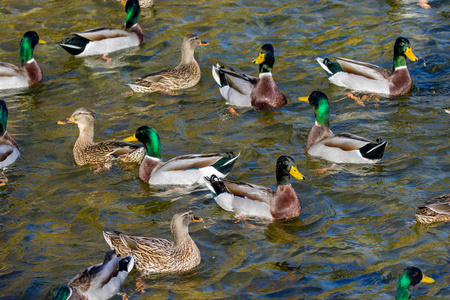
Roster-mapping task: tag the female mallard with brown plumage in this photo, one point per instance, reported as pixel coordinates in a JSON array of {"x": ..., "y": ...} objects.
[
  {"x": 157, "y": 255},
  {"x": 104, "y": 40},
  {"x": 100, "y": 281},
  {"x": 435, "y": 210},
  {"x": 11, "y": 76},
  {"x": 364, "y": 77},
  {"x": 338, "y": 148},
  {"x": 86, "y": 151},
  {"x": 181, "y": 170},
  {"x": 243, "y": 90},
  {"x": 185, "y": 75},
  {"x": 250, "y": 200}
]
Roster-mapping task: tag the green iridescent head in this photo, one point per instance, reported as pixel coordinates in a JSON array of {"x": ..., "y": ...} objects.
[
  {"x": 410, "y": 277},
  {"x": 402, "y": 49},
  {"x": 133, "y": 11},
  {"x": 286, "y": 167},
  {"x": 265, "y": 59},
  {"x": 319, "y": 101},
  {"x": 29, "y": 41},
  {"x": 147, "y": 136},
  {"x": 3, "y": 117}
]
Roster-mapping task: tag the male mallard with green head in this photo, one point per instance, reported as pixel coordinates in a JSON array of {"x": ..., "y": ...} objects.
[
  {"x": 100, "y": 281},
  {"x": 86, "y": 151},
  {"x": 181, "y": 170},
  {"x": 11, "y": 76},
  {"x": 185, "y": 75},
  {"x": 9, "y": 150},
  {"x": 243, "y": 90},
  {"x": 409, "y": 278},
  {"x": 250, "y": 200},
  {"x": 104, "y": 40},
  {"x": 338, "y": 148},
  {"x": 364, "y": 77},
  {"x": 157, "y": 255}
]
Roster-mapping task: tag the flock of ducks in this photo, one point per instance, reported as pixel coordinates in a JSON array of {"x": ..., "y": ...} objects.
[{"x": 156, "y": 255}]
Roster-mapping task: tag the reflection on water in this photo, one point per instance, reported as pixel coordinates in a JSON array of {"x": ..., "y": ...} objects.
[{"x": 356, "y": 231}]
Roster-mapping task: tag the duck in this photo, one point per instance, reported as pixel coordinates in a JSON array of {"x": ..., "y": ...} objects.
[
  {"x": 251, "y": 200},
  {"x": 185, "y": 75},
  {"x": 100, "y": 281},
  {"x": 103, "y": 40},
  {"x": 365, "y": 77},
  {"x": 86, "y": 151},
  {"x": 338, "y": 148},
  {"x": 247, "y": 91},
  {"x": 9, "y": 150},
  {"x": 158, "y": 255},
  {"x": 409, "y": 278},
  {"x": 142, "y": 3},
  {"x": 181, "y": 170},
  {"x": 12, "y": 76},
  {"x": 435, "y": 210}
]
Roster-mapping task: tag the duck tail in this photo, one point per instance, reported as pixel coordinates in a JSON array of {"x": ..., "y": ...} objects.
[
  {"x": 374, "y": 150},
  {"x": 330, "y": 67},
  {"x": 219, "y": 75},
  {"x": 215, "y": 185},
  {"x": 224, "y": 164},
  {"x": 126, "y": 264},
  {"x": 74, "y": 45}
]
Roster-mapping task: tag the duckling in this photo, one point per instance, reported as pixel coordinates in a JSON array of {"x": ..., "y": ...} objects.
[
  {"x": 104, "y": 40},
  {"x": 13, "y": 77},
  {"x": 100, "y": 281},
  {"x": 409, "y": 278},
  {"x": 250, "y": 200},
  {"x": 157, "y": 255},
  {"x": 86, "y": 151},
  {"x": 435, "y": 210},
  {"x": 243, "y": 90},
  {"x": 338, "y": 148},
  {"x": 185, "y": 75},
  {"x": 364, "y": 77},
  {"x": 182, "y": 170}
]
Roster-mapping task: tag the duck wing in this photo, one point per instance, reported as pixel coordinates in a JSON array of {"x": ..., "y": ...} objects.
[
  {"x": 250, "y": 191},
  {"x": 440, "y": 204},
  {"x": 9, "y": 70},
  {"x": 364, "y": 69},
  {"x": 346, "y": 141},
  {"x": 101, "y": 33}
]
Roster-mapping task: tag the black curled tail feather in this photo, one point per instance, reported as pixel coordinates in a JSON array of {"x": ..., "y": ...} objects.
[
  {"x": 374, "y": 150},
  {"x": 74, "y": 45},
  {"x": 226, "y": 163},
  {"x": 218, "y": 185}
]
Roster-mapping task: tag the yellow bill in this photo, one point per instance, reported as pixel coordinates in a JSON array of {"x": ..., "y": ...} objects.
[
  {"x": 427, "y": 279},
  {"x": 260, "y": 59},
  {"x": 66, "y": 121},
  {"x": 304, "y": 99},
  {"x": 131, "y": 139},
  {"x": 42, "y": 42},
  {"x": 294, "y": 172},
  {"x": 196, "y": 219},
  {"x": 203, "y": 43},
  {"x": 410, "y": 54}
]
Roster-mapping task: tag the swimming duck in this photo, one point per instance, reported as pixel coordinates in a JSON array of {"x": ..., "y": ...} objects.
[
  {"x": 364, "y": 77},
  {"x": 185, "y": 75},
  {"x": 9, "y": 150},
  {"x": 243, "y": 90},
  {"x": 157, "y": 255},
  {"x": 86, "y": 151},
  {"x": 11, "y": 76},
  {"x": 142, "y": 3},
  {"x": 250, "y": 200},
  {"x": 104, "y": 40},
  {"x": 435, "y": 210},
  {"x": 182, "y": 170},
  {"x": 338, "y": 148},
  {"x": 410, "y": 277},
  {"x": 100, "y": 281}
]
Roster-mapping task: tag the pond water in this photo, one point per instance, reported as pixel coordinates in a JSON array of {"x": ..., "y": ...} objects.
[{"x": 356, "y": 232}]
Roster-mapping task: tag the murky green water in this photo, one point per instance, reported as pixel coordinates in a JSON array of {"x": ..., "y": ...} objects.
[{"x": 356, "y": 232}]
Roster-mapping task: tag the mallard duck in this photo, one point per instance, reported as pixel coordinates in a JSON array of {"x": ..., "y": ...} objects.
[
  {"x": 410, "y": 277},
  {"x": 182, "y": 170},
  {"x": 104, "y": 40},
  {"x": 142, "y": 3},
  {"x": 250, "y": 200},
  {"x": 100, "y": 281},
  {"x": 364, "y": 77},
  {"x": 243, "y": 90},
  {"x": 435, "y": 210},
  {"x": 185, "y": 75},
  {"x": 11, "y": 76},
  {"x": 9, "y": 150},
  {"x": 156, "y": 255},
  {"x": 86, "y": 151},
  {"x": 338, "y": 148}
]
